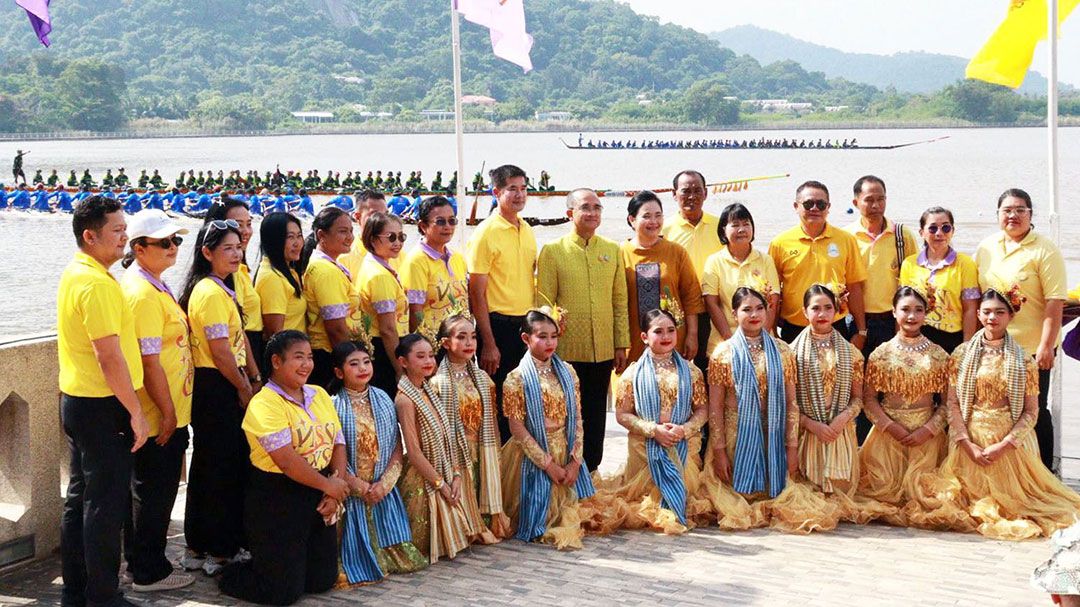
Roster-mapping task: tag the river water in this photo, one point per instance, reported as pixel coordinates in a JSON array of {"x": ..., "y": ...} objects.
[{"x": 965, "y": 173}]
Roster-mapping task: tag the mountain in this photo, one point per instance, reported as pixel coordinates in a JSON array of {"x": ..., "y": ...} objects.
[
  {"x": 908, "y": 72},
  {"x": 251, "y": 62}
]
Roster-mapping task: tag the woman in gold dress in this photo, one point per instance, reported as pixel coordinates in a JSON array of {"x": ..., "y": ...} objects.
[
  {"x": 375, "y": 536},
  {"x": 906, "y": 383},
  {"x": 462, "y": 384},
  {"x": 754, "y": 431},
  {"x": 829, "y": 390},
  {"x": 663, "y": 405},
  {"x": 543, "y": 474},
  {"x": 443, "y": 514},
  {"x": 993, "y": 473}
]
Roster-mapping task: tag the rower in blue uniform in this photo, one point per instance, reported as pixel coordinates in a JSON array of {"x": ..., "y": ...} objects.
[
  {"x": 21, "y": 199},
  {"x": 342, "y": 201},
  {"x": 40, "y": 200},
  {"x": 63, "y": 200}
]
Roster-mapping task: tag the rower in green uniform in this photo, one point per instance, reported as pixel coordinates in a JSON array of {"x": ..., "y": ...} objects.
[
  {"x": 38, "y": 178},
  {"x": 73, "y": 180},
  {"x": 452, "y": 186},
  {"x": 144, "y": 179},
  {"x": 53, "y": 180},
  {"x": 87, "y": 179},
  {"x": 436, "y": 184},
  {"x": 397, "y": 179},
  {"x": 369, "y": 182},
  {"x": 121, "y": 180},
  {"x": 108, "y": 180},
  {"x": 155, "y": 180},
  {"x": 478, "y": 182},
  {"x": 545, "y": 182}
]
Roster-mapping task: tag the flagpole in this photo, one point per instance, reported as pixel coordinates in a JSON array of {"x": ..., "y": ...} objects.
[
  {"x": 1055, "y": 219},
  {"x": 459, "y": 127}
]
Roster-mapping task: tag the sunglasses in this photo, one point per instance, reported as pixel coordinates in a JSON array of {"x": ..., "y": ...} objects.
[
  {"x": 945, "y": 229},
  {"x": 821, "y": 205},
  {"x": 222, "y": 224},
  {"x": 166, "y": 243},
  {"x": 393, "y": 237},
  {"x": 444, "y": 221}
]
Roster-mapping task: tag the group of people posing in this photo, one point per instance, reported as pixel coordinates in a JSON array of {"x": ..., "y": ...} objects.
[{"x": 376, "y": 410}]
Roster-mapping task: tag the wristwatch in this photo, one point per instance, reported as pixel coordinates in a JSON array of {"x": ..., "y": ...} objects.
[{"x": 862, "y": 332}]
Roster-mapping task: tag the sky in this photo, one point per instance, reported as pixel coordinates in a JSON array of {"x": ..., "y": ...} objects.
[{"x": 951, "y": 27}]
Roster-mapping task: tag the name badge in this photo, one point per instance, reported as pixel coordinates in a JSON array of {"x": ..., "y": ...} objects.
[{"x": 834, "y": 251}]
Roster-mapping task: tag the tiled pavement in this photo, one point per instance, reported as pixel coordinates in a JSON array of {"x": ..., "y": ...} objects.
[{"x": 867, "y": 565}]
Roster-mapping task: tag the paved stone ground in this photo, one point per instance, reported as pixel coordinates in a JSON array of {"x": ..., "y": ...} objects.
[{"x": 854, "y": 565}]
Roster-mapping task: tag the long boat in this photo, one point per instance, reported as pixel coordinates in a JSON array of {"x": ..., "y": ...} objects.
[{"x": 692, "y": 145}]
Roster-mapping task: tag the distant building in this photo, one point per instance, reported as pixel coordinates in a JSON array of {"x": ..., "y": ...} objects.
[
  {"x": 837, "y": 108},
  {"x": 477, "y": 100},
  {"x": 437, "y": 114},
  {"x": 554, "y": 116},
  {"x": 314, "y": 117},
  {"x": 778, "y": 106}
]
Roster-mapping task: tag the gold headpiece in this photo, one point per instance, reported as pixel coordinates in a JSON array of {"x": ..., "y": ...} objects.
[
  {"x": 555, "y": 313},
  {"x": 430, "y": 329},
  {"x": 1011, "y": 295}
]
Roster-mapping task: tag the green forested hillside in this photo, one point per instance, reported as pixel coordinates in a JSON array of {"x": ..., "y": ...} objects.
[{"x": 253, "y": 61}]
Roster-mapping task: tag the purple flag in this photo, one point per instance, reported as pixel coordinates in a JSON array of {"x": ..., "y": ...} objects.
[
  {"x": 506, "y": 21},
  {"x": 38, "y": 11}
]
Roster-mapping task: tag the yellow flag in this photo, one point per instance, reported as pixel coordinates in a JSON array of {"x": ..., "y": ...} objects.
[{"x": 1006, "y": 56}]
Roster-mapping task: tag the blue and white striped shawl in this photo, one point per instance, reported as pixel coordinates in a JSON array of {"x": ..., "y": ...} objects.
[
  {"x": 750, "y": 456},
  {"x": 666, "y": 475},
  {"x": 535, "y": 483},
  {"x": 391, "y": 521}
]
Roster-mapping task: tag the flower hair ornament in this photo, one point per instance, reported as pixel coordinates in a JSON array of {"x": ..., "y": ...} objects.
[
  {"x": 555, "y": 313},
  {"x": 430, "y": 329},
  {"x": 670, "y": 304}
]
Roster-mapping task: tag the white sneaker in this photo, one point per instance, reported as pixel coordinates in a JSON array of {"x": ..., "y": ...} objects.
[
  {"x": 192, "y": 561},
  {"x": 173, "y": 581},
  {"x": 125, "y": 576},
  {"x": 212, "y": 566}
]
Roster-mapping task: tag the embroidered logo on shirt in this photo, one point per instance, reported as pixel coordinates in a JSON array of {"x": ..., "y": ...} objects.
[{"x": 834, "y": 251}]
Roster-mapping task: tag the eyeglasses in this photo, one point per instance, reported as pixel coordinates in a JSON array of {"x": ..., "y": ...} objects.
[
  {"x": 945, "y": 229},
  {"x": 166, "y": 243},
  {"x": 393, "y": 237},
  {"x": 820, "y": 204},
  {"x": 442, "y": 222},
  {"x": 1017, "y": 211},
  {"x": 221, "y": 224}
]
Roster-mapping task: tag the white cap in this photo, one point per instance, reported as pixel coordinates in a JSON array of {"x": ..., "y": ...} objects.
[{"x": 152, "y": 223}]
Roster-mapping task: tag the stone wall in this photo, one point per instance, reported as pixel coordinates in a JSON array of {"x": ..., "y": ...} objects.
[{"x": 32, "y": 449}]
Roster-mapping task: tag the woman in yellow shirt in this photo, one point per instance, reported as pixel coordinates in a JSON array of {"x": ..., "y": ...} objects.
[
  {"x": 237, "y": 210},
  {"x": 333, "y": 306},
  {"x": 168, "y": 371},
  {"x": 224, "y": 370},
  {"x": 659, "y": 275},
  {"x": 435, "y": 278},
  {"x": 950, "y": 280},
  {"x": 281, "y": 240},
  {"x": 296, "y": 483},
  {"x": 382, "y": 298}
]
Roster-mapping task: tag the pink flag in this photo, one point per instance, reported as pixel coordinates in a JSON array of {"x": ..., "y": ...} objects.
[
  {"x": 506, "y": 20},
  {"x": 38, "y": 11}
]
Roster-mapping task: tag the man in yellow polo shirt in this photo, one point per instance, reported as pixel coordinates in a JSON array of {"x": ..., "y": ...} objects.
[
  {"x": 816, "y": 252},
  {"x": 877, "y": 239},
  {"x": 100, "y": 370},
  {"x": 583, "y": 273},
  {"x": 698, "y": 233},
  {"x": 501, "y": 255},
  {"x": 368, "y": 202}
]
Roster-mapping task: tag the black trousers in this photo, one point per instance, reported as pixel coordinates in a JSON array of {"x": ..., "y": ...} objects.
[
  {"x": 214, "y": 512},
  {"x": 507, "y": 333},
  {"x": 322, "y": 370},
  {"x": 789, "y": 331},
  {"x": 595, "y": 378},
  {"x": 701, "y": 361},
  {"x": 880, "y": 328},
  {"x": 155, "y": 479},
  {"x": 384, "y": 377},
  {"x": 258, "y": 348},
  {"x": 947, "y": 341},
  {"x": 99, "y": 437},
  {"x": 1044, "y": 424},
  {"x": 292, "y": 550}
]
